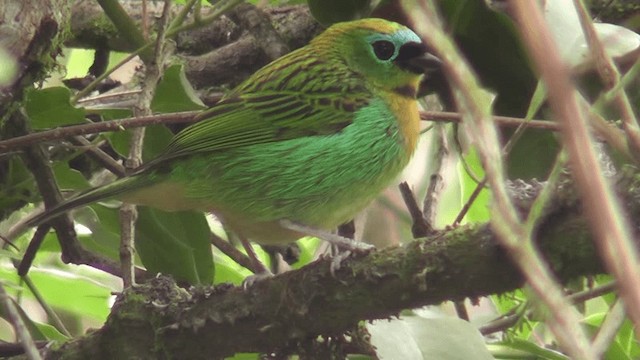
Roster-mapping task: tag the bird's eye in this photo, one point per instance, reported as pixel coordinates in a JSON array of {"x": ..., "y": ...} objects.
[{"x": 383, "y": 49}]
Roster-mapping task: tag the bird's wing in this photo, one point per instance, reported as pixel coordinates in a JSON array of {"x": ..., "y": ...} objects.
[{"x": 264, "y": 116}]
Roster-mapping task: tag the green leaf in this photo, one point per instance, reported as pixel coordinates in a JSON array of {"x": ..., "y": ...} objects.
[
  {"x": 175, "y": 243},
  {"x": 38, "y": 330},
  {"x": 16, "y": 185},
  {"x": 50, "y": 332},
  {"x": 624, "y": 346},
  {"x": 308, "y": 246},
  {"x": 627, "y": 338},
  {"x": 328, "y": 12},
  {"x": 502, "y": 65},
  {"x": 229, "y": 272},
  {"x": 51, "y": 107},
  {"x": 245, "y": 356},
  {"x": 84, "y": 296},
  {"x": 174, "y": 93},
  {"x": 522, "y": 349},
  {"x": 533, "y": 155},
  {"x": 414, "y": 337},
  {"x": 535, "y": 152},
  {"x": 156, "y": 139},
  {"x": 69, "y": 178},
  {"x": 104, "y": 224},
  {"x": 9, "y": 67},
  {"x": 78, "y": 62},
  {"x": 75, "y": 293},
  {"x": 35, "y": 333}
]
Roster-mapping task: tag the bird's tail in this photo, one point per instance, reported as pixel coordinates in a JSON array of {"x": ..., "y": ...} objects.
[{"x": 118, "y": 187}]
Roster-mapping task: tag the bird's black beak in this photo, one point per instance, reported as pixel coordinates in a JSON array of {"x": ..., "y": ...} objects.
[{"x": 415, "y": 58}]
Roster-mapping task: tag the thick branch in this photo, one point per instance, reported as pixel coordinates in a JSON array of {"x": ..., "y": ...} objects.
[
  {"x": 219, "y": 54},
  {"x": 159, "y": 318}
]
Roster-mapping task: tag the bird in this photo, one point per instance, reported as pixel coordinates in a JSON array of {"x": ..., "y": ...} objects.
[{"x": 306, "y": 142}]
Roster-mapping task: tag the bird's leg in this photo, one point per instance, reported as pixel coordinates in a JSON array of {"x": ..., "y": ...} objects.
[
  {"x": 260, "y": 270},
  {"x": 340, "y": 241},
  {"x": 346, "y": 230},
  {"x": 349, "y": 246}
]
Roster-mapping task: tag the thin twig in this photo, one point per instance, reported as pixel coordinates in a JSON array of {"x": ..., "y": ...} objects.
[
  {"x": 467, "y": 205},
  {"x": 609, "y": 328},
  {"x": 102, "y": 157},
  {"x": 475, "y": 105},
  {"x": 511, "y": 317},
  {"x": 430, "y": 202},
  {"x": 609, "y": 75},
  {"x": 589, "y": 294},
  {"x": 182, "y": 15},
  {"x": 128, "y": 217},
  {"x": 235, "y": 254},
  {"x": 144, "y": 48},
  {"x": 14, "y": 349},
  {"x": 35, "y": 159},
  {"x": 32, "y": 249},
  {"x": 221, "y": 8},
  {"x": 544, "y": 198},
  {"x": 607, "y": 220},
  {"x": 501, "y": 324},
  {"x": 629, "y": 77},
  {"x": 128, "y": 212},
  {"x": 51, "y": 314},
  {"x": 18, "y": 142},
  {"x": 29, "y": 346},
  {"x": 84, "y": 256},
  {"x": 610, "y": 133},
  {"x": 522, "y": 126},
  {"x": 92, "y": 85},
  {"x": 461, "y": 310},
  {"x": 145, "y": 21},
  {"x": 506, "y": 121},
  {"x": 420, "y": 227},
  {"x": 125, "y": 25}
]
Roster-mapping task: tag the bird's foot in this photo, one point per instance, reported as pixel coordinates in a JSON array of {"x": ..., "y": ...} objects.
[
  {"x": 260, "y": 271},
  {"x": 336, "y": 261},
  {"x": 251, "y": 280},
  {"x": 347, "y": 246}
]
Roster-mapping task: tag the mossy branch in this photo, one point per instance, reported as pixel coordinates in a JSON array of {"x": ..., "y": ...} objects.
[{"x": 163, "y": 320}]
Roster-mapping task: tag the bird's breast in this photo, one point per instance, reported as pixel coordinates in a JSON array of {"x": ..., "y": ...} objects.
[{"x": 405, "y": 110}]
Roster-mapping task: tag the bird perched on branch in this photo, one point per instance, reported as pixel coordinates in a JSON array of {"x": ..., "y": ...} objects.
[{"x": 305, "y": 143}]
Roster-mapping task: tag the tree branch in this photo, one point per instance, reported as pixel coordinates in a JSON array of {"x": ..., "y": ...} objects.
[
  {"x": 217, "y": 54},
  {"x": 186, "y": 117},
  {"x": 160, "y": 318}
]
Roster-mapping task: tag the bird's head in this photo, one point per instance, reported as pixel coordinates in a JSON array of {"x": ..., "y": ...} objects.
[{"x": 389, "y": 55}]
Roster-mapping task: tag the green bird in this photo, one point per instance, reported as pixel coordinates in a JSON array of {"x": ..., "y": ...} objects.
[{"x": 310, "y": 139}]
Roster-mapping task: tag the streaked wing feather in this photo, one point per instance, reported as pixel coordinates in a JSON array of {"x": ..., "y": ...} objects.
[{"x": 262, "y": 117}]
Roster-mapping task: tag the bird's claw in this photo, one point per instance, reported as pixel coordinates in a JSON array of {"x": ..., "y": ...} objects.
[
  {"x": 336, "y": 260},
  {"x": 251, "y": 280}
]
